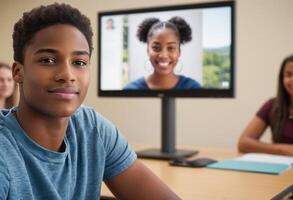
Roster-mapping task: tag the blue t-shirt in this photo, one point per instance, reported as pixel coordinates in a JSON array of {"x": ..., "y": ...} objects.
[
  {"x": 183, "y": 83},
  {"x": 94, "y": 151}
]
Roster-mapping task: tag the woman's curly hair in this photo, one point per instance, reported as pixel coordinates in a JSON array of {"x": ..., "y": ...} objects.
[{"x": 148, "y": 26}]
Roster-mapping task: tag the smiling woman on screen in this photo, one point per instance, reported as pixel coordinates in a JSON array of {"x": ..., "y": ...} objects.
[{"x": 163, "y": 47}]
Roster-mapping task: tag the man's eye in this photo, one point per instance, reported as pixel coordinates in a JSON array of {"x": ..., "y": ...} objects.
[
  {"x": 47, "y": 60},
  {"x": 80, "y": 63}
]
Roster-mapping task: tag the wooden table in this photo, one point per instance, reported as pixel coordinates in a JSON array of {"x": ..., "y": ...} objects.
[{"x": 204, "y": 183}]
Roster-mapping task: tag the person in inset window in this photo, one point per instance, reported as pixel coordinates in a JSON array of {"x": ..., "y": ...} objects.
[
  {"x": 164, "y": 39},
  {"x": 276, "y": 113},
  {"x": 110, "y": 24},
  {"x": 8, "y": 90}
]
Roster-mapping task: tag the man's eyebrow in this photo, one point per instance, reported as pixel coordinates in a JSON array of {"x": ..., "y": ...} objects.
[
  {"x": 77, "y": 53},
  {"x": 54, "y": 51},
  {"x": 46, "y": 50}
]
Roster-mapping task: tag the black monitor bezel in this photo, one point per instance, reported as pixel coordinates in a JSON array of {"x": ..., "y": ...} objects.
[{"x": 217, "y": 93}]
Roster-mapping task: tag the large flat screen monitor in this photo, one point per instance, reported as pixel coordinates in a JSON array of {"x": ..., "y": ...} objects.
[{"x": 167, "y": 52}]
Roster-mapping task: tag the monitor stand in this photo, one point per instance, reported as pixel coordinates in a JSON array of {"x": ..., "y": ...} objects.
[{"x": 168, "y": 150}]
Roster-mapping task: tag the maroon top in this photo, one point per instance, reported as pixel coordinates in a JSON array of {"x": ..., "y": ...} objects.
[{"x": 287, "y": 132}]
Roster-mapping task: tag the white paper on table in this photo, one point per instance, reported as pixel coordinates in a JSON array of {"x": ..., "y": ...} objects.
[{"x": 268, "y": 158}]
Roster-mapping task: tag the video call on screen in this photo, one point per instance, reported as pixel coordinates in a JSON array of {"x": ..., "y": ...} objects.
[{"x": 206, "y": 58}]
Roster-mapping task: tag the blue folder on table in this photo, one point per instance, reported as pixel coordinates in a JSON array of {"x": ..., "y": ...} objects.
[{"x": 250, "y": 166}]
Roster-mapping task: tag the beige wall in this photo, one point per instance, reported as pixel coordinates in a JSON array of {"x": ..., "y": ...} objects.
[{"x": 264, "y": 30}]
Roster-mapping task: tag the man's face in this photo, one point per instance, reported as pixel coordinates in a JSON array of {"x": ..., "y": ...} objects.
[{"x": 55, "y": 75}]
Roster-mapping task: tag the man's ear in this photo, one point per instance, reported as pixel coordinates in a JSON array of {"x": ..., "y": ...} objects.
[{"x": 17, "y": 72}]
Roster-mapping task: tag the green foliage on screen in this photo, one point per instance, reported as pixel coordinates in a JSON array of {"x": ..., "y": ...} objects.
[{"x": 216, "y": 68}]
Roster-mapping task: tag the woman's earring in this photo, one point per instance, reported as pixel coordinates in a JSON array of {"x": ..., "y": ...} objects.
[
  {"x": 179, "y": 67},
  {"x": 148, "y": 66}
]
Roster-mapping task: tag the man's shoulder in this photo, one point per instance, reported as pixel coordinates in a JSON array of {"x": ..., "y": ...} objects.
[
  {"x": 89, "y": 117},
  {"x": 89, "y": 123},
  {"x": 86, "y": 113}
]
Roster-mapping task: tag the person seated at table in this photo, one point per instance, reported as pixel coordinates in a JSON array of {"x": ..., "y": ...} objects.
[
  {"x": 51, "y": 146},
  {"x": 163, "y": 39},
  {"x": 276, "y": 113}
]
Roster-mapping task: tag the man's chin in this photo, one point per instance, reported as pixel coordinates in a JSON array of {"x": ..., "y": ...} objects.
[{"x": 63, "y": 112}]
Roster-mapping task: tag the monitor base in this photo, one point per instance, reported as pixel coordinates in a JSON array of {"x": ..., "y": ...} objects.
[{"x": 158, "y": 154}]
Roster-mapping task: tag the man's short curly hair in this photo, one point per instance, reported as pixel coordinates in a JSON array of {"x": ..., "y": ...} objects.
[{"x": 44, "y": 16}]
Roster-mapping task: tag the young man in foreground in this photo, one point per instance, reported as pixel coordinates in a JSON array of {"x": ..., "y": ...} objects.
[{"x": 51, "y": 147}]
